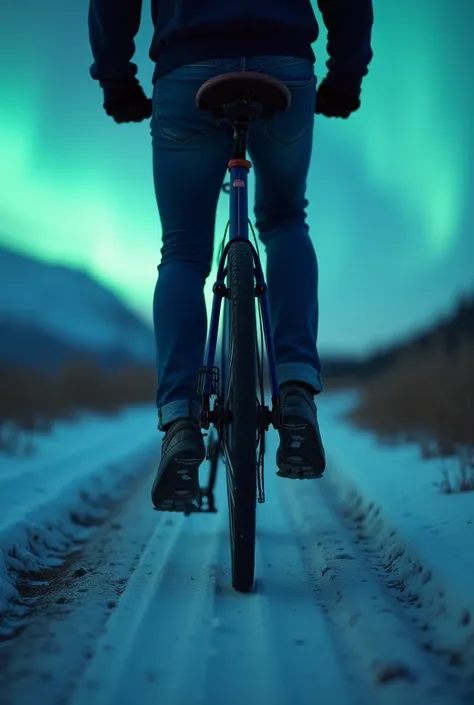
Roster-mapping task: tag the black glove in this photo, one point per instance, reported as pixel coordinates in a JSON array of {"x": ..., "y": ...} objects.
[
  {"x": 333, "y": 100},
  {"x": 127, "y": 102}
]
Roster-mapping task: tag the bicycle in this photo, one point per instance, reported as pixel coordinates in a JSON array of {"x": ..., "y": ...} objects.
[{"x": 239, "y": 414}]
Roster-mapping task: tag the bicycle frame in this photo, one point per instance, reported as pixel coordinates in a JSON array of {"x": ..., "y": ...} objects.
[{"x": 239, "y": 167}]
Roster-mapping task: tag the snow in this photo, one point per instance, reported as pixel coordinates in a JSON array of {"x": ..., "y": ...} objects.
[
  {"x": 349, "y": 571},
  {"x": 423, "y": 536},
  {"x": 48, "y": 499},
  {"x": 70, "y": 305}
]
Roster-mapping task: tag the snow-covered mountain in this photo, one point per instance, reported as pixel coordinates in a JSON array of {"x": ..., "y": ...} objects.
[{"x": 51, "y": 313}]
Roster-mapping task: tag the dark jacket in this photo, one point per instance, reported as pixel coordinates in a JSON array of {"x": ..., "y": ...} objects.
[{"x": 187, "y": 31}]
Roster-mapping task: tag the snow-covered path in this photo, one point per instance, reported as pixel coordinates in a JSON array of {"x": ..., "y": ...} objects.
[{"x": 145, "y": 613}]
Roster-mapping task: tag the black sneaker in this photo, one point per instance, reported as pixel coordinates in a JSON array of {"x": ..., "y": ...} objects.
[
  {"x": 300, "y": 454},
  {"x": 176, "y": 486}
]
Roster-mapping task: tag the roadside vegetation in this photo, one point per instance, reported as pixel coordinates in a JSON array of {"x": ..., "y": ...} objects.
[
  {"x": 417, "y": 391},
  {"x": 30, "y": 401},
  {"x": 425, "y": 395}
]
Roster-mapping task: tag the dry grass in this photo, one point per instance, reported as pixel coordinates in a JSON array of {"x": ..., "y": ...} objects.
[
  {"x": 427, "y": 398},
  {"x": 31, "y": 401},
  {"x": 458, "y": 476}
]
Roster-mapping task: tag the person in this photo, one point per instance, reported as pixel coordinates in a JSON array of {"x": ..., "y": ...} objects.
[{"x": 194, "y": 41}]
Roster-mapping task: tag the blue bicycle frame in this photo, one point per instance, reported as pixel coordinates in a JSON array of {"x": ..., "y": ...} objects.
[{"x": 238, "y": 230}]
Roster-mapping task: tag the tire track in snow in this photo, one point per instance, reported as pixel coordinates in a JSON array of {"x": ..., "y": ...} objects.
[
  {"x": 384, "y": 650},
  {"x": 180, "y": 631},
  {"x": 437, "y": 601},
  {"x": 150, "y": 640},
  {"x": 318, "y": 628},
  {"x": 280, "y": 650}
]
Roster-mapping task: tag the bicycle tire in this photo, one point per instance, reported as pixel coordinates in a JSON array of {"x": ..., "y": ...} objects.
[{"x": 241, "y": 418}]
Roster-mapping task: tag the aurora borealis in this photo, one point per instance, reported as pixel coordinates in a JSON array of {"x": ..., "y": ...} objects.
[{"x": 390, "y": 190}]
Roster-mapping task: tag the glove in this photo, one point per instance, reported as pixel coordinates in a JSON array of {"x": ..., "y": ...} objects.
[
  {"x": 127, "y": 102},
  {"x": 333, "y": 100}
]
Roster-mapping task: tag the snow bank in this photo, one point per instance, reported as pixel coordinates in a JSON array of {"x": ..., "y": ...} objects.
[
  {"x": 423, "y": 538},
  {"x": 50, "y": 500}
]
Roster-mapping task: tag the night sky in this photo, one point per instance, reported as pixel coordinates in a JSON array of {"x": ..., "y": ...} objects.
[{"x": 391, "y": 190}]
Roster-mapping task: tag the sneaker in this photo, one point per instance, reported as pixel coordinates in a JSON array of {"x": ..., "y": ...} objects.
[
  {"x": 300, "y": 454},
  {"x": 176, "y": 485}
]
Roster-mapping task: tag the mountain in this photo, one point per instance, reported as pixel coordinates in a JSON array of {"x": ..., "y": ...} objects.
[
  {"x": 50, "y": 314},
  {"x": 448, "y": 332}
]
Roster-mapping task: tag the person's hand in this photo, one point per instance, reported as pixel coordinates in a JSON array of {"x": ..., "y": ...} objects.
[
  {"x": 333, "y": 100},
  {"x": 127, "y": 103}
]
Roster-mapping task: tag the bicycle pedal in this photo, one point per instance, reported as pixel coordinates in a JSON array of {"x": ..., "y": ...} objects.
[{"x": 211, "y": 374}]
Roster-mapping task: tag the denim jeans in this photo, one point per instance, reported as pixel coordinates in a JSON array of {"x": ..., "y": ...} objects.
[{"x": 191, "y": 150}]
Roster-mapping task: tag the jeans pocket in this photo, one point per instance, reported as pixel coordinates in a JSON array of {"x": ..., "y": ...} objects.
[
  {"x": 175, "y": 114},
  {"x": 293, "y": 124}
]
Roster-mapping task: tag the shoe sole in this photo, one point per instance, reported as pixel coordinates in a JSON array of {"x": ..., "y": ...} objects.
[
  {"x": 300, "y": 455},
  {"x": 176, "y": 491}
]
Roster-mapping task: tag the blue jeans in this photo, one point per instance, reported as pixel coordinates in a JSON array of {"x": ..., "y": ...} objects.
[{"x": 190, "y": 154}]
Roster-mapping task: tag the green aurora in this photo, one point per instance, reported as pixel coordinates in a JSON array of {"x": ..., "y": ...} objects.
[{"x": 390, "y": 206}]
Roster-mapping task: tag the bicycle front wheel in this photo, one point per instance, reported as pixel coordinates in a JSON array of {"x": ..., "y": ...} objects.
[{"x": 241, "y": 418}]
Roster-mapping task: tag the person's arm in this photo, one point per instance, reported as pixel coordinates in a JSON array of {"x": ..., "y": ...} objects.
[
  {"x": 113, "y": 25},
  {"x": 349, "y": 27}
]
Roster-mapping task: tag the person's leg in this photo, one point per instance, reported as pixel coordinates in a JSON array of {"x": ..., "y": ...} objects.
[
  {"x": 190, "y": 156},
  {"x": 280, "y": 151}
]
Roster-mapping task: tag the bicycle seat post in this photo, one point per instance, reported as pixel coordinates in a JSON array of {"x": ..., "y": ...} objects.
[
  {"x": 241, "y": 133},
  {"x": 241, "y": 114}
]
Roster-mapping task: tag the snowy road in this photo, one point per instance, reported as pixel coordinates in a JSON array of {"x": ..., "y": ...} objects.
[{"x": 145, "y": 613}]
